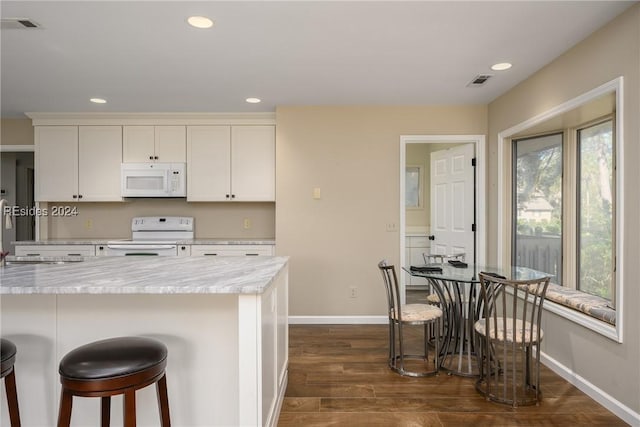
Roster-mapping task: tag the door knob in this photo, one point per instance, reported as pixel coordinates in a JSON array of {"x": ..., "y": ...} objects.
[{"x": 432, "y": 237}]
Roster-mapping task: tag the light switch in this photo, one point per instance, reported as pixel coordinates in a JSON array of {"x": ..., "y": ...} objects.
[{"x": 316, "y": 193}]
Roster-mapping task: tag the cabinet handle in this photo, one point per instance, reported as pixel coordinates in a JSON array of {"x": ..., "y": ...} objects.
[
  {"x": 75, "y": 196},
  {"x": 226, "y": 195},
  {"x": 155, "y": 157},
  {"x": 101, "y": 248},
  {"x": 252, "y": 254},
  {"x": 233, "y": 196},
  {"x": 210, "y": 254},
  {"x": 79, "y": 196},
  {"x": 74, "y": 254},
  {"x": 150, "y": 157},
  {"x": 33, "y": 254}
]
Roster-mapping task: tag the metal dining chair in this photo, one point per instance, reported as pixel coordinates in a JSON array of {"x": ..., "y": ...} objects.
[
  {"x": 510, "y": 335},
  {"x": 403, "y": 315},
  {"x": 433, "y": 298}
]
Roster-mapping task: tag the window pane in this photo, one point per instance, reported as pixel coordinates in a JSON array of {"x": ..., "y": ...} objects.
[
  {"x": 538, "y": 204},
  {"x": 595, "y": 217}
]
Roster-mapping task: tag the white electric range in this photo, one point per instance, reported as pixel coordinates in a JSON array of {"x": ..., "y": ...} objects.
[{"x": 153, "y": 236}]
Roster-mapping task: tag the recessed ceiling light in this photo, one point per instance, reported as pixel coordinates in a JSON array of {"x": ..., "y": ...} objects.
[
  {"x": 253, "y": 100},
  {"x": 98, "y": 100},
  {"x": 200, "y": 22},
  {"x": 501, "y": 66}
]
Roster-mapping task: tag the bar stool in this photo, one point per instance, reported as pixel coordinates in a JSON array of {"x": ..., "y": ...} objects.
[
  {"x": 111, "y": 367},
  {"x": 7, "y": 359}
]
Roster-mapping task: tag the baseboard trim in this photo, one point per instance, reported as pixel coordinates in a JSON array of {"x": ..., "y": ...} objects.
[
  {"x": 338, "y": 320},
  {"x": 618, "y": 408}
]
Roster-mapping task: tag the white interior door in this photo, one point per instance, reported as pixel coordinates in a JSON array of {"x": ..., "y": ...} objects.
[{"x": 452, "y": 201}]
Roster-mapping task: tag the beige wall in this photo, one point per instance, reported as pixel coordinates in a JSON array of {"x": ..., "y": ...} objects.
[
  {"x": 212, "y": 220},
  {"x": 612, "y": 51},
  {"x": 16, "y": 132},
  {"x": 353, "y": 155}
]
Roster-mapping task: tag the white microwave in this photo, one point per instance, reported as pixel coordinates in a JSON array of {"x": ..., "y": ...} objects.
[{"x": 153, "y": 180}]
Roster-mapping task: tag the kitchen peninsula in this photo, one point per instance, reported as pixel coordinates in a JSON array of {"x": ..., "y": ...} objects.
[{"x": 223, "y": 319}]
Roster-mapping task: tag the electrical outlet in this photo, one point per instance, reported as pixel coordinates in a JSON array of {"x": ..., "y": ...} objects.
[
  {"x": 88, "y": 224},
  {"x": 246, "y": 223},
  {"x": 353, "y": 292},
  {"x": 392, "y": 226}
]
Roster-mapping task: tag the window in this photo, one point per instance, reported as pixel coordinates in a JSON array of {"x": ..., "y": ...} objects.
[
  {"x": 589, "y": 287},
  {"x": 595, "y": 207},
  {"x": 545, "y": 204},
  {"x": 413, "y": 187},
  {"x": 537, "y": 229}
]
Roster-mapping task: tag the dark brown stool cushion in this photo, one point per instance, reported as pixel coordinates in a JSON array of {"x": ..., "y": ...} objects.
[
  {"x": 7, "y": 356},
  {"x": 111, "y": 358}
]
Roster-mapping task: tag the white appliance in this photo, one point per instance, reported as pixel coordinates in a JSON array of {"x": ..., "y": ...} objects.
[
  {"x": 153, "y": 179},
  {"x": 153, "y": 236}
]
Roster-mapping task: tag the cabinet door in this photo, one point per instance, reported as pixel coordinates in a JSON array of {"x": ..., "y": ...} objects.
[
  {"x": 170, "y": 144},
  {"x": 99, "y": 158},
  {"x": 208, "y": 165},
  {"x": 253, "y": 163},
  {"x": 55, "y": 250},
  {"x": 138, "y": 144},
  {"x": 56, "y": 168}
]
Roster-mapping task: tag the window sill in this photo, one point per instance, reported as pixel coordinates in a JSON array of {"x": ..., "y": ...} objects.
[{"x": 587, "y": 310}]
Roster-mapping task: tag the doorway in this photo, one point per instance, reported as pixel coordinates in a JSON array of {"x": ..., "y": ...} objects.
[
  {"x": 17, "y": 187},
  {"x": 428, "y": 144}
]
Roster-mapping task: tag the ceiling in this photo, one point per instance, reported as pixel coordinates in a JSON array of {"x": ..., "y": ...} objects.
[{"x": 143, "y": 57}]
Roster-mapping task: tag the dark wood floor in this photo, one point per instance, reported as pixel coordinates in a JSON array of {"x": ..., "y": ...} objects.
[{"x": 338, "y": 377}]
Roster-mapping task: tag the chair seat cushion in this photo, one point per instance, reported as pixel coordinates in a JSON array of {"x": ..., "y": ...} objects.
[
  {"x": 7, "y": 355},
  {"x": 419, "y": 313},
  {"x": 112, "y": 357},
  {"x": 497, "y": 331}
]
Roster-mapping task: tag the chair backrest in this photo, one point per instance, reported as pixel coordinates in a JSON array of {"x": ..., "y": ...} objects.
[
  {"x": 441, "y": 258},
  {"x": 512, "y": 302},
  {"x": 392, "y": 289}
]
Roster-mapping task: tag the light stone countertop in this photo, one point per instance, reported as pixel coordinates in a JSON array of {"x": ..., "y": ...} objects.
[
  {"x": 144, "y": 275},
  {"x": 210, "y": 241}
]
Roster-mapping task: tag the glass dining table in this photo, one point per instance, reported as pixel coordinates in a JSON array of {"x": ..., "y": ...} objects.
[{"x": 459, "y": 287}]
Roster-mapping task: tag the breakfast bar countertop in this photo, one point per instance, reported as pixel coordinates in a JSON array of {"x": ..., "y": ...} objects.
[{"x": 143, "y": 275}]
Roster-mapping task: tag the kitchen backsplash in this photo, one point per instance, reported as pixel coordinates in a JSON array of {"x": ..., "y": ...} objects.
[{"x": 113, "y": 220}]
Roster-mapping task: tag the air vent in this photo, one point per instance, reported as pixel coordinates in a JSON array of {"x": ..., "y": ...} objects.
[
  {"x": 479, "y": 80},
  {"x": 17, "y": 24}
]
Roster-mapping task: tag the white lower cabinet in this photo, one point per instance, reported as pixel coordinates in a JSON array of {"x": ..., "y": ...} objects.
[
  {"x": 415, "y": 246},
  {"x": 231, "y": 250},
  {"x": 55, "y": 250}
]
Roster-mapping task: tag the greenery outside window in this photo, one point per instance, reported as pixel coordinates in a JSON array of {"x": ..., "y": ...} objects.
[
  {"x": 537, "y": 186},
  {"x": 595, "y": 232}
]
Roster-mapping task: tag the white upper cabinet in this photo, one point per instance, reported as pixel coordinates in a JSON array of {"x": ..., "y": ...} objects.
[
  {"x": 78, "y": 163},
  {"x": 253, "y": 163},
  {"x": 143, "y": 144},
  {"x": 99, "y": 158},
  {"x": 56, "y": 163},
  {"x": 208, "y": 165},
  {"x": 231, "y": 163}
]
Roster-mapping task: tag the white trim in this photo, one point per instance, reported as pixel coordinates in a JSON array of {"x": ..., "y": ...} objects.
[
  {"x": 616, "y": 85},
  {"x": 79, "y": 119},
  {"x": 275, "y": 415},
  {"x": 17, "y": 148},
  {"x": 338, "y": 320},
  {"x": 622, "y": 411},
  {"x": 481, "y": 192}
]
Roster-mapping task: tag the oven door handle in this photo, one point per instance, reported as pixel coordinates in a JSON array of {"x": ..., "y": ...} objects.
[{"x": 141, "y": 247}]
